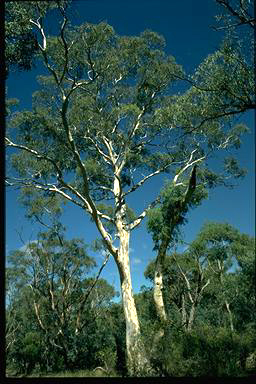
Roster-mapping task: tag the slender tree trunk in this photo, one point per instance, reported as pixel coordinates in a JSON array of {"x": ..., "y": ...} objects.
[
  {"x": 137, "y": 361},
  {"x": 158, "y": 295},
  {"x": 160, "y": 309},
  {"x": 166, "y": 236},
  {"x": 191, "y": 316},
  {"x": 158, "y": 292},
  {"x": 159, "y": 304},
  {"x": 183, "y": 312},
  {"x": 158, "y": 280},
  {"x": 221, "y": 269},
  {"x": 230, "y": 316}
]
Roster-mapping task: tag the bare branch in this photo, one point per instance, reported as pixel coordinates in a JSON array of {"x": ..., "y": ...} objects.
[
  {"x": 112, "y": 155},
  {"x": 85, "y": 298},
  {"x": 99, "y": 150},
  {"x": 40, "y": 27},
  {"x": 243, "y": 17},
  {"x": 137, "y": 221},
  {"x": 137, "y": 124},
  {"x": 38, "y": 155},
  {"x": 204, "y": 286},
  {"x": 190, "y": 163},
  {"x": 142, "y": 181},
  {"x": 36, "y": 306},
  {"x": 186, "y": 280},
  {"x": 65, "y": 20}
]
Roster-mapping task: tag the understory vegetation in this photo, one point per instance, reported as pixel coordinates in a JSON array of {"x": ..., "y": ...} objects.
[{"x": 48, "y": 282}]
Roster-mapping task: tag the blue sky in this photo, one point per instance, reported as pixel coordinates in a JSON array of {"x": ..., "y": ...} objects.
[{"x": 189, "y": 38}]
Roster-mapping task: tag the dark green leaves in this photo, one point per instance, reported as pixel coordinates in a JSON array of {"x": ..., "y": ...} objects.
[{"x": 232, "y": 167}]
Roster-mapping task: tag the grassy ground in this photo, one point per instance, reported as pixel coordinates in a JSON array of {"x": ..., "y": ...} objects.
[{"x": 80, "y": 373}]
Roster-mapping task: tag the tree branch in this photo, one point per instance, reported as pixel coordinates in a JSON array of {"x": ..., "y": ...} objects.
[
  {"x": 65, "y": 20},
  {"x": 142, "y": 181},
  {"x": 137, "y": 221},
  {"x": 190, "y": 163},
  {"x": 244, "y": 18},
  {"x": 85, "y": 298}
]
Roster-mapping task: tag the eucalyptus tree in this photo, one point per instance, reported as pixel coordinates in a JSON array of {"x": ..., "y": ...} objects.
[
  {"x": 213, "y": 273},
  {"x": 216, "y": 95},
  {"x": 52, "y": 273},
  {"x": 223, "y": 245},
  {"x": 244, "y": 306},
  {"x": 185, "y": 277},
  {"x": 164, "y": 222},
  {"x": 167, "y": 217},
  {"x": 196, "y": 279},
  {"x": 106, "y": 121}
]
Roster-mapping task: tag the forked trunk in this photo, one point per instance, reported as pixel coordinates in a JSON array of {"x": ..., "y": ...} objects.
[
  {"x": 137, "y": 361},
  {"x": 229, "y": 316}
]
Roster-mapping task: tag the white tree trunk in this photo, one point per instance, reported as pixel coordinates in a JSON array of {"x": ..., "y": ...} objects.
[
  {"x": 191, "y": 316},
  {"x": 229, "y": 316},
  {"x": 137, "y": 361},
  {"x": 183, "y": 312},
  {"x": 158, "y": 280},
  {"x": 158, "y": 296},
  {"x": 158, "y": 293}
]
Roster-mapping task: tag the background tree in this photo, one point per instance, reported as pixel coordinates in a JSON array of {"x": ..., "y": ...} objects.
[
  {"x": 244, "y": 305},
  {"x": 219, "y": 243},
  {"x": 60, "y": 301},
  {"x": 203, "y": 313},
  {"x": 164, "y": 222},
  {"x": 104, "y": 122}
]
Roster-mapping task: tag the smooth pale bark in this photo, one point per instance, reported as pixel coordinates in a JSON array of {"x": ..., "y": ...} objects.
[
  {"x": 159, "y": 304},
  {"x": 187, "y": 321},
  {"x": 230, "y": 316},
  {"x": 221, "y": 269},
  {"x": 167, "y": 231},
  {"x": 158, "y": 280},
  {"x": 183, "y": 311},
  {"x": 191, "y": 316},
  {"x": 137, "y": 361},
  {"x": 158, "y": 293},
  {"x": 195, "y": 302}
]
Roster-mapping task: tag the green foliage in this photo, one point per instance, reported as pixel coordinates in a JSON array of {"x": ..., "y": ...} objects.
[
  {"x": 205, "y": 351},
  {"x": 50, "y": 278},
  {"x": 8, "y": 104},
  {"x": 231, "y": 166},
  {"x": 225, "y": 257},
  {"x": 209, "y": 349},
  {"x": 21, "y": 40},
  {"x": 38, "y": 205},
  {"x": 219, "y": 73},
  {"x": 166, "y": 219}
]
